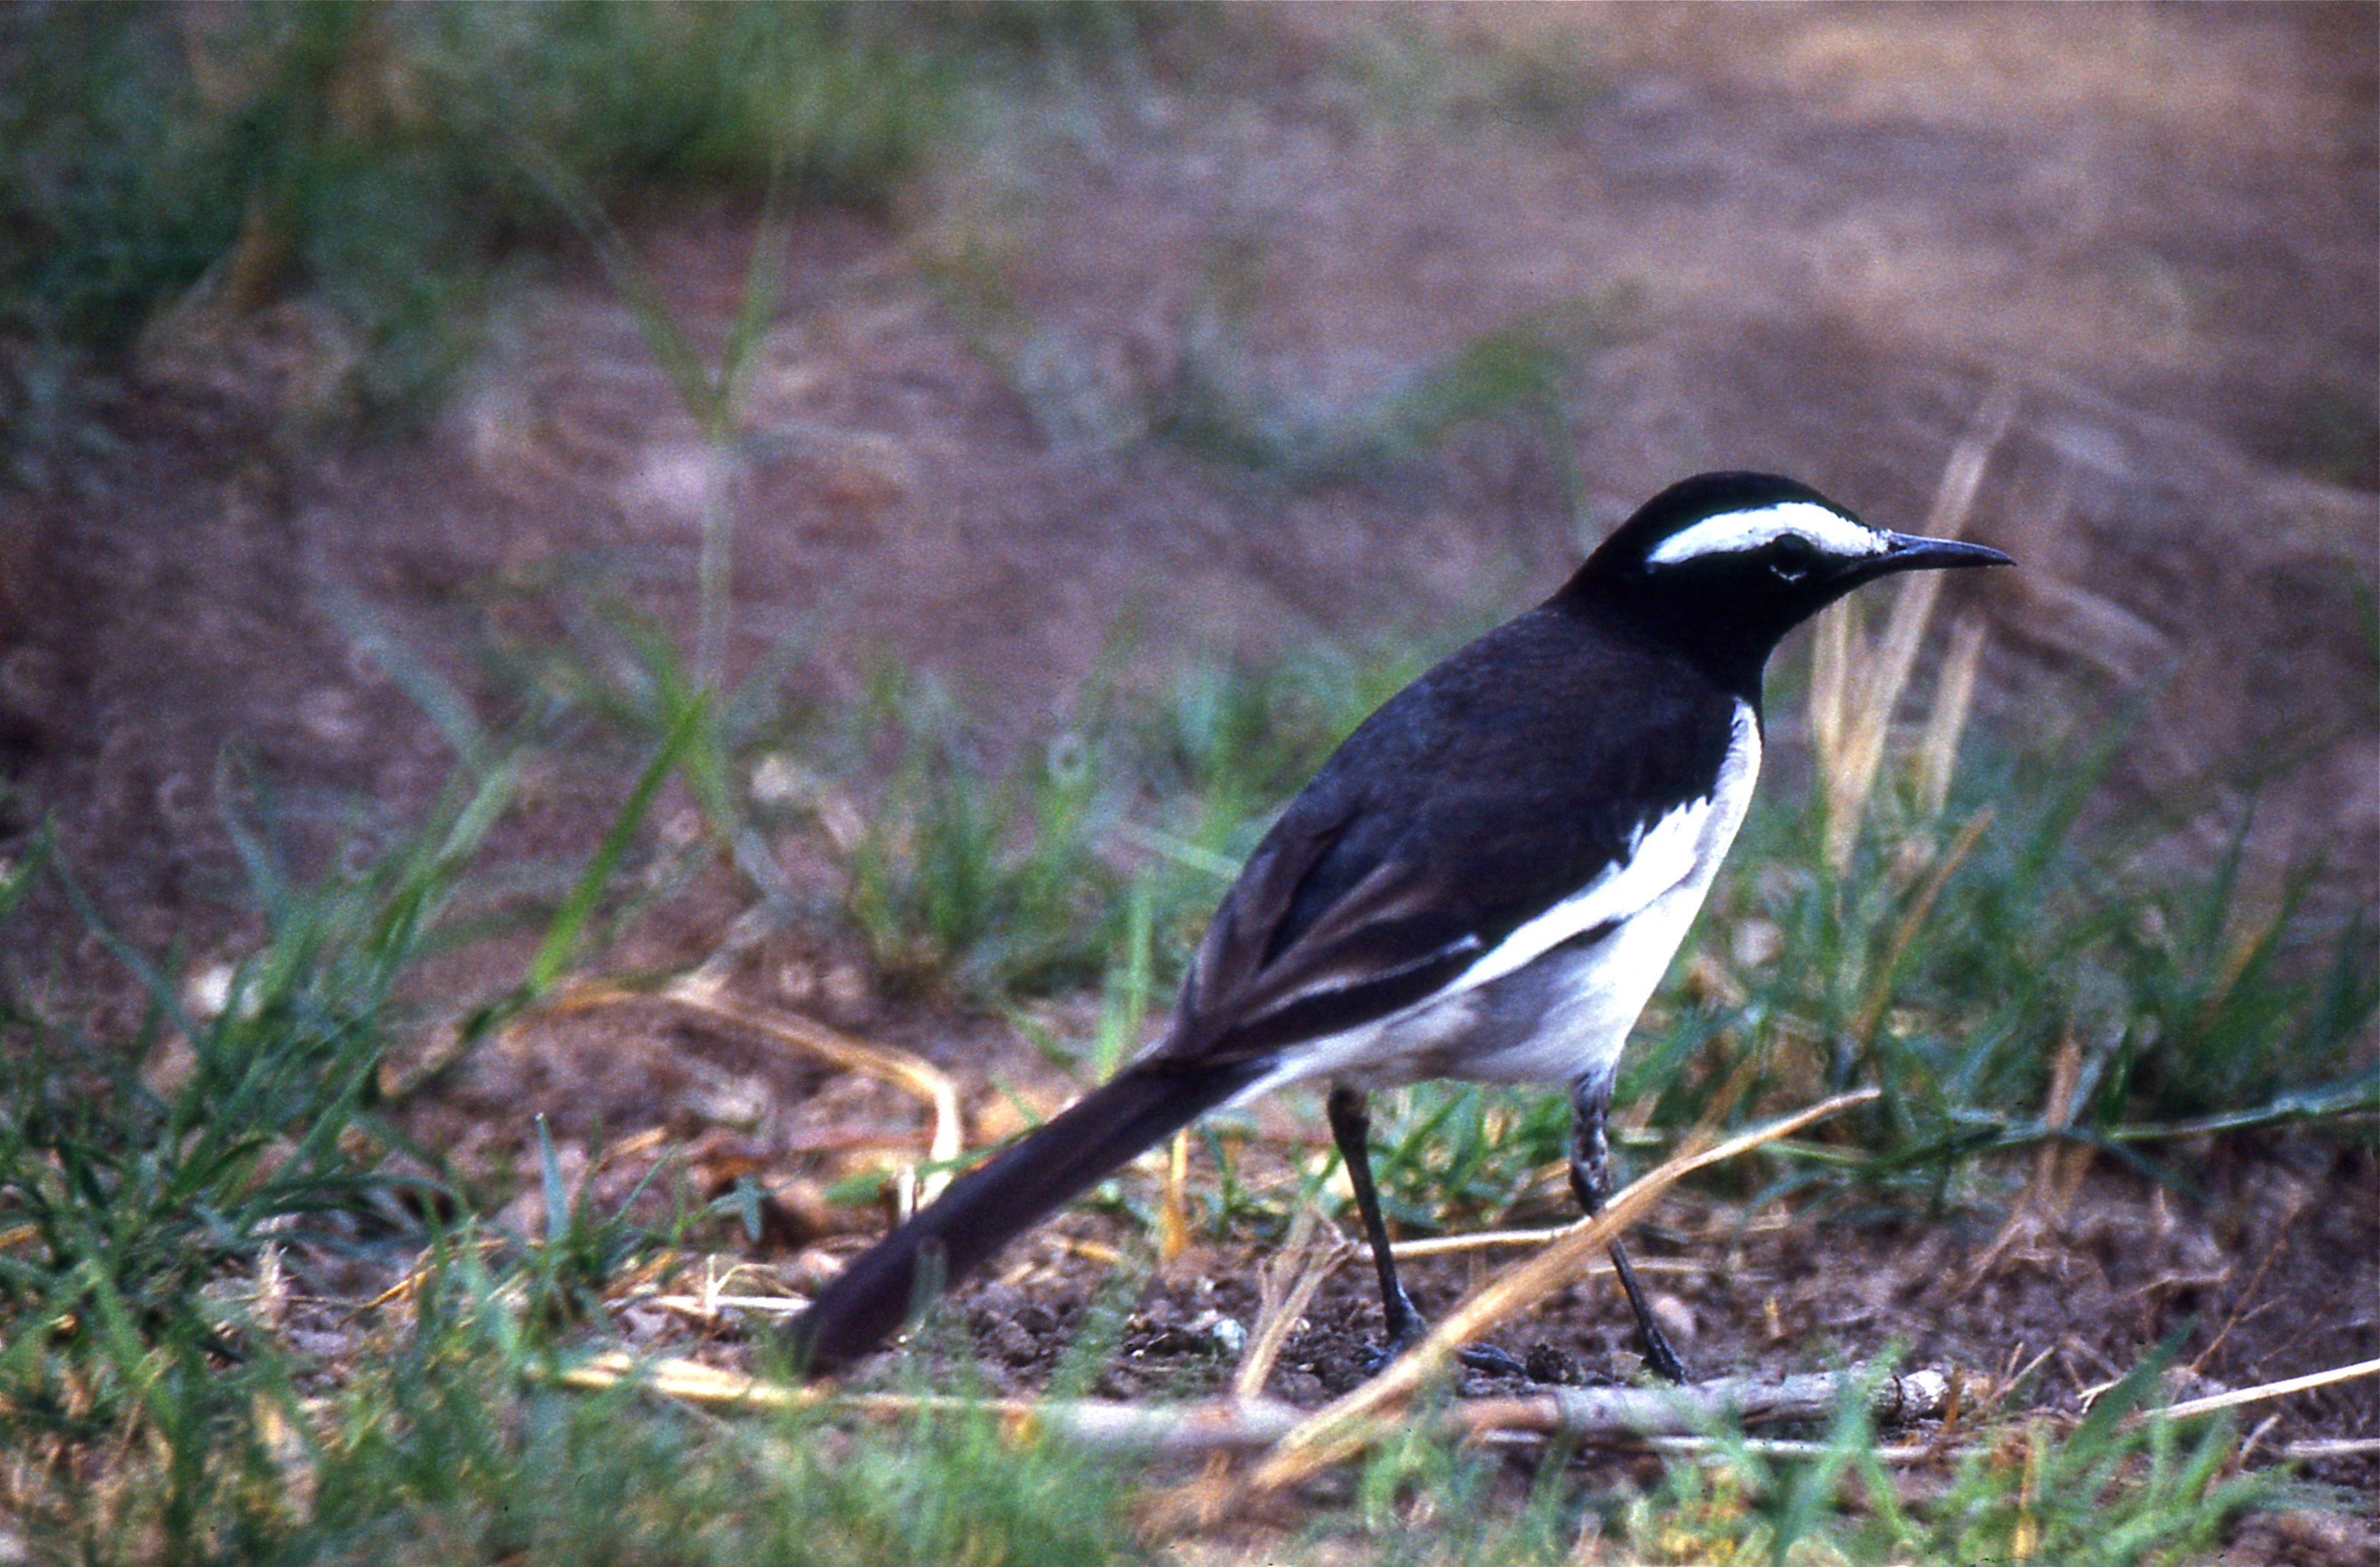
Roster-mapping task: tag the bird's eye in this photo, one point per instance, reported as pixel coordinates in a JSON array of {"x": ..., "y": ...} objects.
[{"x": 1791, "y": 556}]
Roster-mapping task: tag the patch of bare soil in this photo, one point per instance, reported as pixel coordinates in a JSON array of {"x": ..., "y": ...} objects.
[
  {"x": 1815, "y": 238},
  {"x": 2263, "y": 1274},
  {"x": 2261, "y": 1264},
  {"x": 2038, "y": 1284}
]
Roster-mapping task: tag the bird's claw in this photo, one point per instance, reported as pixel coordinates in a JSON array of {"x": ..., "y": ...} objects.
[
  {"x": 1660, "y": 1359},
  {"x": 1492, "y": 1361},
  {"x": 1485, "y": 1358}
]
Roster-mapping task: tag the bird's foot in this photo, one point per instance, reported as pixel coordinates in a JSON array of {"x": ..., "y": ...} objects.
[
  {"x": 1660, "y": 1359},
  {"x": 1407, "y": 1328},
  {"x": 1485, "y": 1358},
  {"x": 1493, "y": 1362}
]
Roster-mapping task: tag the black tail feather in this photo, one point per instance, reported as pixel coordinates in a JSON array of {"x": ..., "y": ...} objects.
[{"x": 994, "y": 1203}]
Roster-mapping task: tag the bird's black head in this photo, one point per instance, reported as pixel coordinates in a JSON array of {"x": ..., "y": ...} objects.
[{"x": 1724, "y": 565}]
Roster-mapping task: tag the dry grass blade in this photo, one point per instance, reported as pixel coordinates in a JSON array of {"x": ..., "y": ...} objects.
[
  {"x": 1830, "y": 695},
  {"x": 712, "y": 1305},
  {"x": 2342, "y": 1447},
  {"x": 2258, "y": 1394},
  {"x": 688, "y": 1380},
  {"x": 1174, "y": 1205},
  {"x": 1306, "y": 1261},
  {"x": 1492, "y": 1240},
  {"x": 1954, "y": 700},
  {"x": 899, "y": 1068},
  {"x": 1286, "y": 1284},
  {"x": 1342, "y": 1427},
  {"x": 2239, "y": 1309},
  {"x": 1856, "y": 684},
  {"x": 717, "y": 1296},
  {"x": 2039, "y": 1205}
]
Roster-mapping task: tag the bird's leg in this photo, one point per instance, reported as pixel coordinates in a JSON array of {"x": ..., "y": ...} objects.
[
  {"x": 1590, "y": 1182},
  {"x": 1350, "y": 1127}
]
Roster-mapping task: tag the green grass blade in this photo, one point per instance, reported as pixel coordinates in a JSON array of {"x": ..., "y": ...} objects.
[{"x": 570, "y": 920}]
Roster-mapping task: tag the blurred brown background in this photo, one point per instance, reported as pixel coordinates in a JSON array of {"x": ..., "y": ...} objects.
[
  {"x": 999, "y": 415},
  {"x": 349, "y": 350}
]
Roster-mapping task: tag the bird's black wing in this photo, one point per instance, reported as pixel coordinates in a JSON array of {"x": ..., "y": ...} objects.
[
  {"x": 1427, "y": 838},
  {"x": 1430, "y": 837}
]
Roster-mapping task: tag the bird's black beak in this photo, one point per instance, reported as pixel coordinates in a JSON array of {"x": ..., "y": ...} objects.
[{"x": 1911, "y": 552}]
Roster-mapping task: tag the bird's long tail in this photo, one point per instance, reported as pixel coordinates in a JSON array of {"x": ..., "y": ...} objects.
[{"x": 994, "y": 1203}]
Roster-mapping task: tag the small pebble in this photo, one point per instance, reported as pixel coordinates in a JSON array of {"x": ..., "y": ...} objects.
[{"x": 1675, "y": 1317}]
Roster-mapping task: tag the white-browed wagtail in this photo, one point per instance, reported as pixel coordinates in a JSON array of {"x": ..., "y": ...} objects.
[{"x": 1486, "y": 881}]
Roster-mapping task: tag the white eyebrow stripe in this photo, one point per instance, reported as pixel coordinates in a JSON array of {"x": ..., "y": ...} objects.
[{"x": 1832, "y": 532}]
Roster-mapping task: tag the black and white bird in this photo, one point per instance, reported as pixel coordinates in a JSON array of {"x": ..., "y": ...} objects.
[{"x": 1486, "y": 881}]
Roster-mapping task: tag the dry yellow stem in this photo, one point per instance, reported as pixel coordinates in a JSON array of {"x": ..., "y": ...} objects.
[
  {"x": 1344, "y": 1427},
  {"x": 1856, "y": 682},
  {"x": 1492, "y": 1240},
  {"x": 1173, "y": 1208},
  {"x": 702, "y": 996},
  {"x": 1954, "y": 700},
  {"x": 2258, "y": 1394},
  {"x": 1306, "y": 1261}
]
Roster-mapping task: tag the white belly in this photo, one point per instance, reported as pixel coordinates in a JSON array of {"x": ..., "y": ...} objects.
[{"x": 1534, "y": 1009}]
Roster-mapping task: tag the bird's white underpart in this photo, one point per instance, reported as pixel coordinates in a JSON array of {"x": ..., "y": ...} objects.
[
  {"x": 1828, "y": 531},
  {"x": 1648, "y": 898}
]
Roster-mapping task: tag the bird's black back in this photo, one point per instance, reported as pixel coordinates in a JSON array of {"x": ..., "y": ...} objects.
[{"x": 1428, "y": 827}]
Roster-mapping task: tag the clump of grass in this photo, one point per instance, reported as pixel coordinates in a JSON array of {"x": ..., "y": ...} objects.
[
  {"x": 1221, "y": 403},
  {"x": 125, "y": 1193},
  {"x": 1217, "y": 396},
  {"x": 1957, "y": 956},
  {"x": 2110, "y": 1489},
  {"x": 1242, "y": 737},
  {"x": 151, "y": 1187},
  {"x": 449, "y": 1441},
  {"x": 829, "y": 103},
  {"x": 135, "y": 1172},
  {"x": 114, "y": 199},
  {"x": 1409, "y": 71},
  {"x": 374, "y": 162},
  {"x": 158, "y": 1222},
  {"x": 1450, "y": 1155},
  {"x": 592, "y": 685},
  {"x": 991, "y": 883}
]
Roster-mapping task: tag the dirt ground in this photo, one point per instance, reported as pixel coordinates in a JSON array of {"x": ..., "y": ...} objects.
[
  {"x": 1810, "y": 239},
  {"x": 2043, "y": 1279}
]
